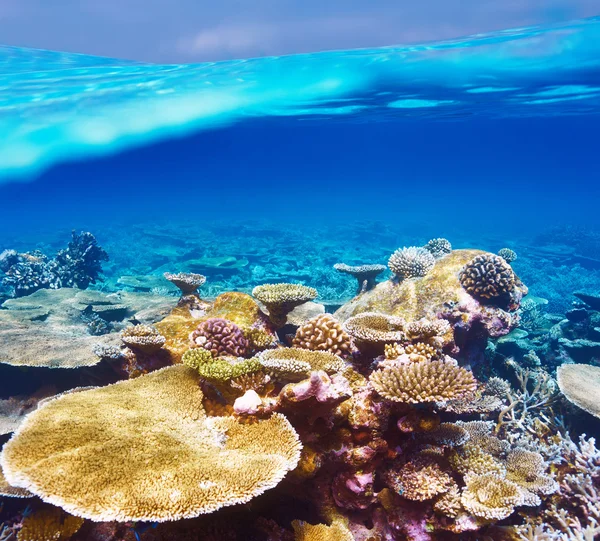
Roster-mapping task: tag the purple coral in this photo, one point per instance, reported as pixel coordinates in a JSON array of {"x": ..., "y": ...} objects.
[{"x": 220, "y": 337}]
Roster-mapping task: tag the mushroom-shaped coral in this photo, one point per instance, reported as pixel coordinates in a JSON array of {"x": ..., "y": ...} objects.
[
  {"x": 323, "y": 333},
  {"x": 490, "y": 496},
  {"x": 438, "y": 247},
  {"x": 321, "y": 532},
  {"x": 508, "y": 255},
  {"x": 488, "y": 277},
  {"x": 430, "y": 381},
  {"x": 420, "y": 479},
  {"x": 294, "y": 363},
  {"x": 281, "y": 299},
  {"x": 187, "y": 282},
  {"x": 220, "y": 337},
  {"x": 580, "y": 383},
  {"x": 375, "y": 328},
  {"x": 144, "y": 450},
  {"x": 365, "y": 274},
  {"x": 144, "y": 338},
  {"x": 412, "y": 262}
]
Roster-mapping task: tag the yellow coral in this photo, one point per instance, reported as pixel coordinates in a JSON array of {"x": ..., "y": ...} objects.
[
  {"x": 144, "y": 450},
  {"x": 258, "y": 339},
  {"x": 144, "y": 338},
  {"x": 338, "y": 531},
  {"x": 49, "y": 524},
  {"x": 323, "y": 333},
  {"x": 490, "y": 496},
  {"x": 10, "y": 491},
  {"x": 281, "y": 299},
  {"x": 297, "y": 362},
  {"x": 448, "y": 504},
  {"x": 430, "y": 381},
  {"x": 218, "y": 370},
  {"x": 236, "y": 307},
  {"x": 472, "y": 459},
  {"x": 372, "y": 327},
  {"x": 449, "y": 434},
  {"x": 393, "y": 351},
  {"x": 422, "y": 351}
]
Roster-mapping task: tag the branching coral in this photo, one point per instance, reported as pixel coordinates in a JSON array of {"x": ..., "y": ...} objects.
[
  {"x": 438, "y": 247},
  {"x": 422, "y": 351},
  {"x": 431, "y": 381},
  {"x": 144, "y": 450},
  {"x": 220, "y": 337},
  {"x": 144, "y": 338},
  {"x": 365, "y": 274},
  {"x": 323, "y": 333},
  {"x": 487, "y": 277},
  {"x": 187, "y": 282},
  {"x": 412, "y": 262},
  {"x": 281, "y": 299},
  {"x": 508, "y": 255}
]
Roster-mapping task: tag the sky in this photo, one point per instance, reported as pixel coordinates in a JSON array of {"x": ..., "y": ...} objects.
[{"x": 181, "y": 31}]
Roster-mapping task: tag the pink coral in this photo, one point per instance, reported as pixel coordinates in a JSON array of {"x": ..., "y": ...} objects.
[{"x": 220, "y": 337}]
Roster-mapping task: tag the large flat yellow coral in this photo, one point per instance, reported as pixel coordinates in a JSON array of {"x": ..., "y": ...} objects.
[{"x": 144, "y": 450}]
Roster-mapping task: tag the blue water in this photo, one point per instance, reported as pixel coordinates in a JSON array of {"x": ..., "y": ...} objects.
[{"x": 293, "y": 163}]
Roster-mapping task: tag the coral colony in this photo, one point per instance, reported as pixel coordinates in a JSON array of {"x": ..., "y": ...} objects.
[{"x": 433, "y": 405}]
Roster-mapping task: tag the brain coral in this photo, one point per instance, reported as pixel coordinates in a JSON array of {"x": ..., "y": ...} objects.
[
  {"x": 438, "y": 247},
  {"x": 411, "y": 262},
  {"x": 144, "y": 450},
  {"x": 323, "y": 333},
  {"x": 220, "y": 337},
  {"x": 428, "y": 381},
  {"x": 281, "y": 299},
  {"x": 487, "y": 277},
  {"x": 580, "y": 384},
  {"x": 144, "y": 338},
  {"x": 490, "y": 496}
]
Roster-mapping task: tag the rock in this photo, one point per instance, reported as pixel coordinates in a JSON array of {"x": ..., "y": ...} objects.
[
  {"x": 591, "y": 299},
  {"x": 576, "y": 315}
]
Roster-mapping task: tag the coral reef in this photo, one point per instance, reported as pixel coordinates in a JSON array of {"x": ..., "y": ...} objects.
[
  {"x": 323, "y": 333},
  {"x": 220, "y": 337},
  {"x": 187, "y": 282},
  {"x": 487, "y": 277},
  {"x": 281, "y": 299},
  {"x": 438, "y": 247},
  {"x": 508, "y": 255},
  {"x": 412, "y": 262},
  {"x": 144, "y": 338},
  {"x": 365, "y": 274},
  {"x": 580, "y": 384}
]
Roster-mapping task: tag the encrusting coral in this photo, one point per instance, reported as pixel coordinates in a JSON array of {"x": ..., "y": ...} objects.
[
  {"x": 281, "y": 299},
  {"x": 412, "y": 262},
  {"x": 220, "y": 337},
  {"x": 487, "y": 277},
  {"x": 365, "y": 274},
  {"x": 146, "y": 451},
  {"x": 323, "y": 333},
  {"x": 430, "y": 381}
]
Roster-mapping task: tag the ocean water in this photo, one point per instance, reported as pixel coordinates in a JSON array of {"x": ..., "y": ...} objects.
[{"x": 273, "y": 170}]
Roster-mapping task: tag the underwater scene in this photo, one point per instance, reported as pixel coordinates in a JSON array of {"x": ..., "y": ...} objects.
[{"x": 340, "y": 296}]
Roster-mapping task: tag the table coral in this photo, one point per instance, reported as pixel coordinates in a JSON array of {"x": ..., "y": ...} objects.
[
  {"x": 144, "y": 338},
  {"x": 146, "y": 452},
  {"x": 374, "y": 327},
  {"x": 187, "y": 282},
  {"x": 337, "y": 531},
  {"x": 300, "y": 361},
  {"x": 490, "y": 496},
  {"x": 429, "y": 381},
  {"x": 281, "y": 299},
  {"x": 420, "y": 479},
  {"x": 412, "y": 262},
  {"x": 323, "y": 333},
  {"x": 365, "y": 274},
  {"x": 579, "y": 383}
]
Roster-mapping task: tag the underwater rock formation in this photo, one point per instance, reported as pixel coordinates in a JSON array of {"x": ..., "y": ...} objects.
[{"x": 78, "y": 265}]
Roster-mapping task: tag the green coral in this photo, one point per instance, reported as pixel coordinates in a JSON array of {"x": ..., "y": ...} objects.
[{"x": 218, "y": 370}]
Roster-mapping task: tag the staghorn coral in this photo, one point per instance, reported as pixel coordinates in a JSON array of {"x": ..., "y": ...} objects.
[
  {"x": 412, "y": 262},
  {"x": 365, "y": 274},
  {"x": 420, "y": 479},
  {"x": 372, "y": 327},
  {"x": 439, "y": 247},
  {"x": 144, "y": 338},
  {"x": 487, "y": 277},
  {"x": 508, "y": 255},
  {"x": 490, "y": 496},
  {"x": 281, "y": 299},
  {"x": 299, "y": 361},
  {"x": 178, "y": 462},
  {"x": 323, "y": 333},
  {"x": 187, "y": 282},
  {"x": 220, "y": 337},
  {"x": 580, "y": 383},
  {"x": 49, "y": 524},
  {"x": 430, "y": 381},
  {"x": 338, "y": 531}
]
